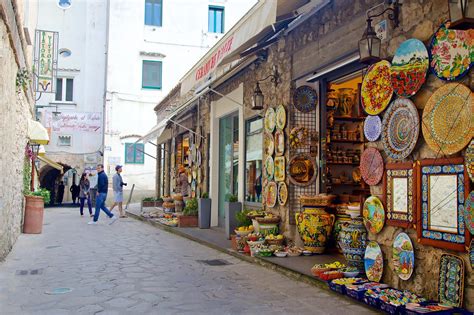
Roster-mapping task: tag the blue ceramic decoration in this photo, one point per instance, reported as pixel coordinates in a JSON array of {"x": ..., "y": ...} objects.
[
  {"x": 305, "y": 99},
  {"x": 451, "y": 280},
  {"x": 372, "y": 127},
  {"x": 403, "y": 256}
]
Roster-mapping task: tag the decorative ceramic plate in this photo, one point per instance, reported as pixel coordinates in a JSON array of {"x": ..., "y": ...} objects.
[
  {"x": 271, "y": 192},
  {"x": 280, "y": 168},
  {"x": 268, "y": 144},
  {"x": 448, "y": 122},
  {"x": 451, "y": 53},
  {"x": 469, "y": 160},
  {"x": 376, "y": 90},
  {"x": 190, "y": 176},
  {"x": 371, "y": 166},
  {"x": 469, "y": 212},
  {"x": 194, "y": 172},
  {"x": 298, "y": 137},
  {"x": 374, "y": 214},
  {"x": 302, "y": 170},
  {"x": 198, "y": 158},
  {"x": 280, "y": 117},
  {"x": 282, "y": 193},
  {"x": 471, "y": 253},
  {"x": 409, "y": 67},
  {"x": 372, "y": 127},
  {"x": 305, "y": 99},
  {"x": 400, "y": 129},
  {"x": 356, "y": 176},
  {"x": 270, "y": 120},
  {"x": 403, "y": 256},
  {"x": 451, "y": 280},
  {"x": 199, "y": 175},
  {"x": 269, "y": 167},
  {"x": 373, "y": 261},
  {"x": 279, "y": 142}
]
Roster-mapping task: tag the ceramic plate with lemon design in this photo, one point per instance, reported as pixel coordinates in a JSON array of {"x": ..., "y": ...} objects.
[
  {"x": 270, "y": 120},
  {"x": 271, "y": 194},
  {"x": 280, "y": 117},
  {"x": 269, "y": 168},
  {"x": 282, "y": 193}
]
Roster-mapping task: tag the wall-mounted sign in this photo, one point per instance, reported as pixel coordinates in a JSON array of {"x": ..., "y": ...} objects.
[
  {"x": 46, "y": 60},
  {"x": 74, "y": 122}
]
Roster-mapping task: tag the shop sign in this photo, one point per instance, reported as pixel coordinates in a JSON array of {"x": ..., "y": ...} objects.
[
  {"x": 74, "y": 122},
  {"x": 46, "y": 61}
]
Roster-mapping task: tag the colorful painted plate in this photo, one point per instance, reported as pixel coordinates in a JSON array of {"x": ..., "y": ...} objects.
[
  {"x": 373, "y": 261},
  {"x": 279, "y": 142},
  {"x": 198, "y": 158},
  {"x": 448, "y": 122},
  {"x": 193, "y": 185},
  {"x": 198, "y": 137},
  {"x": 298, "y": 137},
  {"x": 372, "y": 127},
  {"x": 194, "y": 172},
  {"x": 190, "y": 176},
  {"x": 469, "y": 160},
  {"x": 269, "y": 167},
  {"x": 280, "y": 168},
  {"x": 270, "y": 120},
  {"x": 271, "y": 194},
  {"x": 471, "y": 253},
  {"x": 469, "y": 212},
  {"x": 374, "y": 214},
  {"x": 451, "y": 280},
  {"x": 451, "y": 53},
  {"x": 305, "y": 99},
  {"x": 400, "y": 129},
  {"x": 282, "y": 193},
  {"x": 302, "y": 170},
  {"x": 371, "y": 166},
  {"x": 268, "y": 144},
  {"x": 280, "y": 117},
  {"x": 403, "y": 256},
  {"x": 409, "y": 67},
  {"x": 376, "y": 90}
]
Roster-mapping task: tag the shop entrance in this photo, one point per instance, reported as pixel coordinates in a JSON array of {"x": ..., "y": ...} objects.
[{"x": 50, "y": 178}]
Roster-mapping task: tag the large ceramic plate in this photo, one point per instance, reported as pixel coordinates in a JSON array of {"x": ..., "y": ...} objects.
[
  {"x": 376, "y": 90},
  {"x": 302, "y": 170},
  {"x": 373, "y": 261},
  {"x": 372, "y": 127},
  {"x": 409, "y": 67},
  {"x": 268, "y": 144},
  {"x": 469, "y": 160},
  {"x": 269, "y": 167},
  {"x": 280, "y": 168},
  {"x": 471, "y": 253},
  {"x": 282, "y": 193},
  {"x": 469, "y": 212},
  {"x": 305, "y": 99},
  {"x": 374, "y": 214},
  {"x": 403, "y": 256},
  {"x": 400, "y": 129},
  {"x": 279, "y": 142},
  {"x": 198, "y": 137},
  {"x": 298, "y": 137},
  {"x": 271, "y": 192},
  {"x": 448, "y": 122},
  {"x": 270, "y": 120},
  {"x": 371, "y": 166},
  {"x": 451, "y": 280},
  {"x": 451, "y": 53},
  {"x": 280, "y": 117}
]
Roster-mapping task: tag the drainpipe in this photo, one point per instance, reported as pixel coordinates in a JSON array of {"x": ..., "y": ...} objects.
[{"x": 104, "y": 107}]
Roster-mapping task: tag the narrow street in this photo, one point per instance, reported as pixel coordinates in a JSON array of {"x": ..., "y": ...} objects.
[{"x": 132, "y": 268}]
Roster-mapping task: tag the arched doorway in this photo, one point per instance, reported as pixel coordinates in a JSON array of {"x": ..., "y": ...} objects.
[{"x": 49, "y": 178}]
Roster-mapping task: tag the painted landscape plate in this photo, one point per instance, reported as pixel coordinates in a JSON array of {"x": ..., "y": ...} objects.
[
  {"x": 374, "y": 214},
  {"x": 279, "y": 142},
  {"x": 451, "y": 53},
  {"x": 403, "y": 256},
  {"x": 400, "y": 129},
  {"x": 270, "y": 120},
  {"x": 469, "y": 160},
  {"x": 268, "y": 144},
  {"x": 282, "y": 193},
  {"x": 409, "y": 67},
  {"x": 448, "y": 122},
  {"x": 371, "y": 166},
  {"x": 373, "y": 261},
  {"x": 305, "y": 99},
  {"x": 469, "y": 212},
  {"x": 372, "y": 127},
  {"x": 280, "y": 117},
  {"x": 451, "y": 280},
  {"x": 376, "y": 90},
  {"x": 269, "y": 167},
  {"x": 280, "y": 168},
  {"x": 271, "y": 194}
]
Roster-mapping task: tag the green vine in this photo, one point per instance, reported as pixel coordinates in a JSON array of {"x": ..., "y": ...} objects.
[
  {"x": 23, "y": 78},
  {"x": 26, "y": 176}
]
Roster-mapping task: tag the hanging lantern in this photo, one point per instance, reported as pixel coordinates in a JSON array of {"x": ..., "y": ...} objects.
[
  {"x": 461, "y": 13},
  {"x": 257, "y": 98},
  {"x": 369, "y": 45}
]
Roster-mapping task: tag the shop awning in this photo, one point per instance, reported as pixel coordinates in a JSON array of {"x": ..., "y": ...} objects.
[
  {"x": 50, "y": 163},
  {"x": 154, "y": 132},
  {"x": 37, "y": 133}
]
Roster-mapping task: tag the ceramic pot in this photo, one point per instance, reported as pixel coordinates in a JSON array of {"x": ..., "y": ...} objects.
[
  {"x": 353, "y": 240},
  {"x": 315, "y": 226},
  {"x": 342, "y": 220}
]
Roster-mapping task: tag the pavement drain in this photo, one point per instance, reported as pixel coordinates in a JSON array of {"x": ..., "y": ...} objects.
[
  {"x": 29, "y": 272},
  {"x": 57, "y": 291},
  {"x": 215, "y": 262},
  {"x": 53, "y": 246}
]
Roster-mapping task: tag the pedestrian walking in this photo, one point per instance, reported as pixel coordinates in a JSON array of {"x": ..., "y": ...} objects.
[
  {"x": 84, "y": 194},
  {"x": 102, "y": 188},
  {"x": 75, "y": 190},
  {"x": 117, "y": 186},
  {"x": 183, "y": 181},
  {"x": 60, "y": 192}
]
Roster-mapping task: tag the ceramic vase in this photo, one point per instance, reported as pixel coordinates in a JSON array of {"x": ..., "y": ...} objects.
[
  {"x": 342, "y": 220},
  {"x": 315, "y": 226},
  {"x": 353, "y": 241}
]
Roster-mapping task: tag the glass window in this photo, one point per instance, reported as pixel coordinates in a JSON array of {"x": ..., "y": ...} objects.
[
  {"x": 64, "y": 90},
  {"x": 216, "y": 19},
  {"x": 134, "y": 153},
  {"x": 69, "y": 89},
  {"x": 151, "y": 74},
  {"x": 59, "y": 89},
  {"x": 64, "y": 4},
  {"x": 153, "y": 12},
  {"x": 253, "y": 159}
]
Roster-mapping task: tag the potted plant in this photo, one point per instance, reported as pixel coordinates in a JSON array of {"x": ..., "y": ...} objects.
[
  {"x": 148, "y": 202},
  {"x": 204, "y": 211},
  {"x": 34, "y": 210},
  {"x": 244, "y": 227},
  {"x": 189, "y": 218},
  {"x": 231, "y": 207}
]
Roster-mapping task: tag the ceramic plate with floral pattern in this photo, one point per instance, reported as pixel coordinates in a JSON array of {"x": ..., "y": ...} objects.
[
  {"x": 451, "y": 280},
  {"x": 268, "y": 144},
  {"x": 373, "y": 261},
  {"x": 372, "y": 127},
  {"x": 469, "y": 212},
  {"x": 269, "y": 167},
  {"x": 282, "y": 193},
  {"x": 403, "y": 256},
  {"x": 377, "y": 90},
  {"x": 280, "y": 117},
  {"x": 371, "y": 166},
  {"x": 374, "y": 214},
  {"x": 280, "y": 168},
  {"x": 279, "y": 142},
  {"x": 271, "y": 192},
  {"x": 270, "y": 120},
  {"x": 305, "y": 99}
]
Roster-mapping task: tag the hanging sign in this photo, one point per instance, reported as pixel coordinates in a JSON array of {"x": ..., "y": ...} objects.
[{"x": 46, "y": 60}]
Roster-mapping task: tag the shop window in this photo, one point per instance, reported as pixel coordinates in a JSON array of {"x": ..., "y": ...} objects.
[
  {"x": 153, "y": 12},
  {"x": 64, "y": 90},
  {"x": 64, "y": 141},
  {"x": 151, "y": 74},
  {"x": 216, "y": 19},
  {"x": 134, "y": 153},
  {"x": 253, "y": 159}
]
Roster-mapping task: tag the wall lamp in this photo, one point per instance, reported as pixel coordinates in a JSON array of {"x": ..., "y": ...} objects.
[{"x": 258, "y": 97}]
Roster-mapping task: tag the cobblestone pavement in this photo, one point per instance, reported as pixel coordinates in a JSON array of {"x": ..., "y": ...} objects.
[{"x": 133, "y": 268}]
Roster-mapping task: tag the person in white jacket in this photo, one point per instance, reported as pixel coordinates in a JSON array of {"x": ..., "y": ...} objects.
[{"x": 117, "y": 186}]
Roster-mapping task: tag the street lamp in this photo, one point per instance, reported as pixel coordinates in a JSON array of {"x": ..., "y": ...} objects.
[
  {"x": 258, "y": 97},
  {"x": 461, "y": 13}
]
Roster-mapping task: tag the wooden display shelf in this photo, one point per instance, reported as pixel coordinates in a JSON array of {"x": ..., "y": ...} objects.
[
  {"x": 349, "y": 118},
  {"x": 347, "y": 141},
  {"x": 346, "y": 184},
  {"x": 343, "y": 163}
]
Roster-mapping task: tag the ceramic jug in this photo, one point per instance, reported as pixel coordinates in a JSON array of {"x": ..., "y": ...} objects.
[{"x": 315, "y": 226}]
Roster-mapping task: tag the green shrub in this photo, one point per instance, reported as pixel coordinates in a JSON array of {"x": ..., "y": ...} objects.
[
  {"x": 242, "y": 218},
  {"x": 232, "y": 198},
  {"x": 191, "y": 207},
  {"x": 205, "y": 195},
  {"x": 42, "y": 192},
  {"x": 152, "y": 199}
]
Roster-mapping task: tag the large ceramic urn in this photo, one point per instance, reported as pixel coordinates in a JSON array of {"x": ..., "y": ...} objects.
[
  {"x": 315, "y": 226},
  {"x": 353, "y": 240}
]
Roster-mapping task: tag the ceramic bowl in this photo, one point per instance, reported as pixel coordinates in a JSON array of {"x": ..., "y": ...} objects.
[
  {"x": 307, "y": 253},
  {"x": 350, "y": 274},
  {"x": 281, "y": 254},
  {"x": 242, "y": 233}
]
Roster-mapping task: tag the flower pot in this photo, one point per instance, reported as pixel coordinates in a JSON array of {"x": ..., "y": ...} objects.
[
  {"x": 231, "y": 208},
  {"x": 353, "y": 240},
  {"x": 147, "y": 204},
  {"x": 204, "y": 213},
  {"x": 314, "y": 227},
  {"x": 187, "y": 221},
  {"x": 34, "y": 210}
]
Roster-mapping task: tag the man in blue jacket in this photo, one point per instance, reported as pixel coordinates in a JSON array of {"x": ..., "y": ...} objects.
[{"x": 102, "y": 188}]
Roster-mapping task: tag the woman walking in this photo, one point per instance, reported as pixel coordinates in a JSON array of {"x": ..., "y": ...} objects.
[{"x": 84, "y": 194}]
